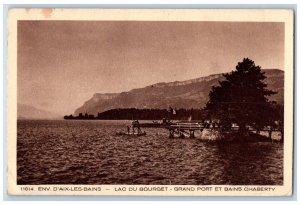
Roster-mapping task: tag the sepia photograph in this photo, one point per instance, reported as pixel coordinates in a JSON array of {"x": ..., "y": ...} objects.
[{"x": 182, "y": 105}]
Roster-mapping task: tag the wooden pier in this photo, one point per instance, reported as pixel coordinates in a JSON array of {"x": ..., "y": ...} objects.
[
  {"x": 181, "y": 128},
  {"x": 184, "y": 128},
  {"x": 188, "y": 129}
]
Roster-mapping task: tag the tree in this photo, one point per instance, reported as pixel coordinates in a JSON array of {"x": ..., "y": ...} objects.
[{"x": 242, "y": 98}]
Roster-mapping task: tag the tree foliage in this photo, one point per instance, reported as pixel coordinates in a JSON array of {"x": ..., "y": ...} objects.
[
  {"x": 143, "y": 114},
  {"x": 242, "y": 98}
]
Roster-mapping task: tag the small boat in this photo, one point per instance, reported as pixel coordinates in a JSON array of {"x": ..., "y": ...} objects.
[{"x": 131, "y": 134}]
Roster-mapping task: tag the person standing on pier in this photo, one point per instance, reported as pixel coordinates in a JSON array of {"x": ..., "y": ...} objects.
[
  {"x": 128, "y": 129},
  {"x": 138, "y": 127}
]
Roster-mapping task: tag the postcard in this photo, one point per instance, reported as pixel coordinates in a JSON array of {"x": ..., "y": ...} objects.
[{"x": 150, "y": 102}]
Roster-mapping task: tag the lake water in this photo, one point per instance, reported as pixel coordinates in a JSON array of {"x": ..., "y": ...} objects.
[{"x": 89, "y": 152}]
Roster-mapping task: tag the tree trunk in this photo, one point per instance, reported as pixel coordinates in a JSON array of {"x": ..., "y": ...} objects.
[{"x": 242, "y": 128}]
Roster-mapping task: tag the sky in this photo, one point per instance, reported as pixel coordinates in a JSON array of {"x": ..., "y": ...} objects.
[{"x": 61, "y": 64}]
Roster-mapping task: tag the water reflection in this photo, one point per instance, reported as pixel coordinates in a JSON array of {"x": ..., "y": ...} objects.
[{"x": 249, "y": 163}]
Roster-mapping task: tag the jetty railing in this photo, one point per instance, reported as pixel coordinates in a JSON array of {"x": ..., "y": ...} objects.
[{"x": 189, "y": 128}]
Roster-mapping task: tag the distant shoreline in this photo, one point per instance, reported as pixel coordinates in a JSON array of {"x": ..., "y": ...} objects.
[{"x": 142, "y": 114}]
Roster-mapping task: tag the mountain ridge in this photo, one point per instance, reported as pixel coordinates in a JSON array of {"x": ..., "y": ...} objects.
[
  {"x": 30, "y": 112},
  {"x": 191, "y": 93}
]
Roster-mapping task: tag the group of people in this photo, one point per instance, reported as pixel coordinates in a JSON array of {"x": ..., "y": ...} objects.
[{"x": 134, "y": 124}]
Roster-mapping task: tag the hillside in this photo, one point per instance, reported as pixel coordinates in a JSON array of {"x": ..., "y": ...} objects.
[
  {"x": 30, "y": 112},
  {"x": 179, "y": 94}
]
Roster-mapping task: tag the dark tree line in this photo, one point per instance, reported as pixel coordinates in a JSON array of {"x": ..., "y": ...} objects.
[
  {"x": 144, "y": 114},
  {"x": 152, "y": 114},
  {"x": 81, "y": 116}
]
